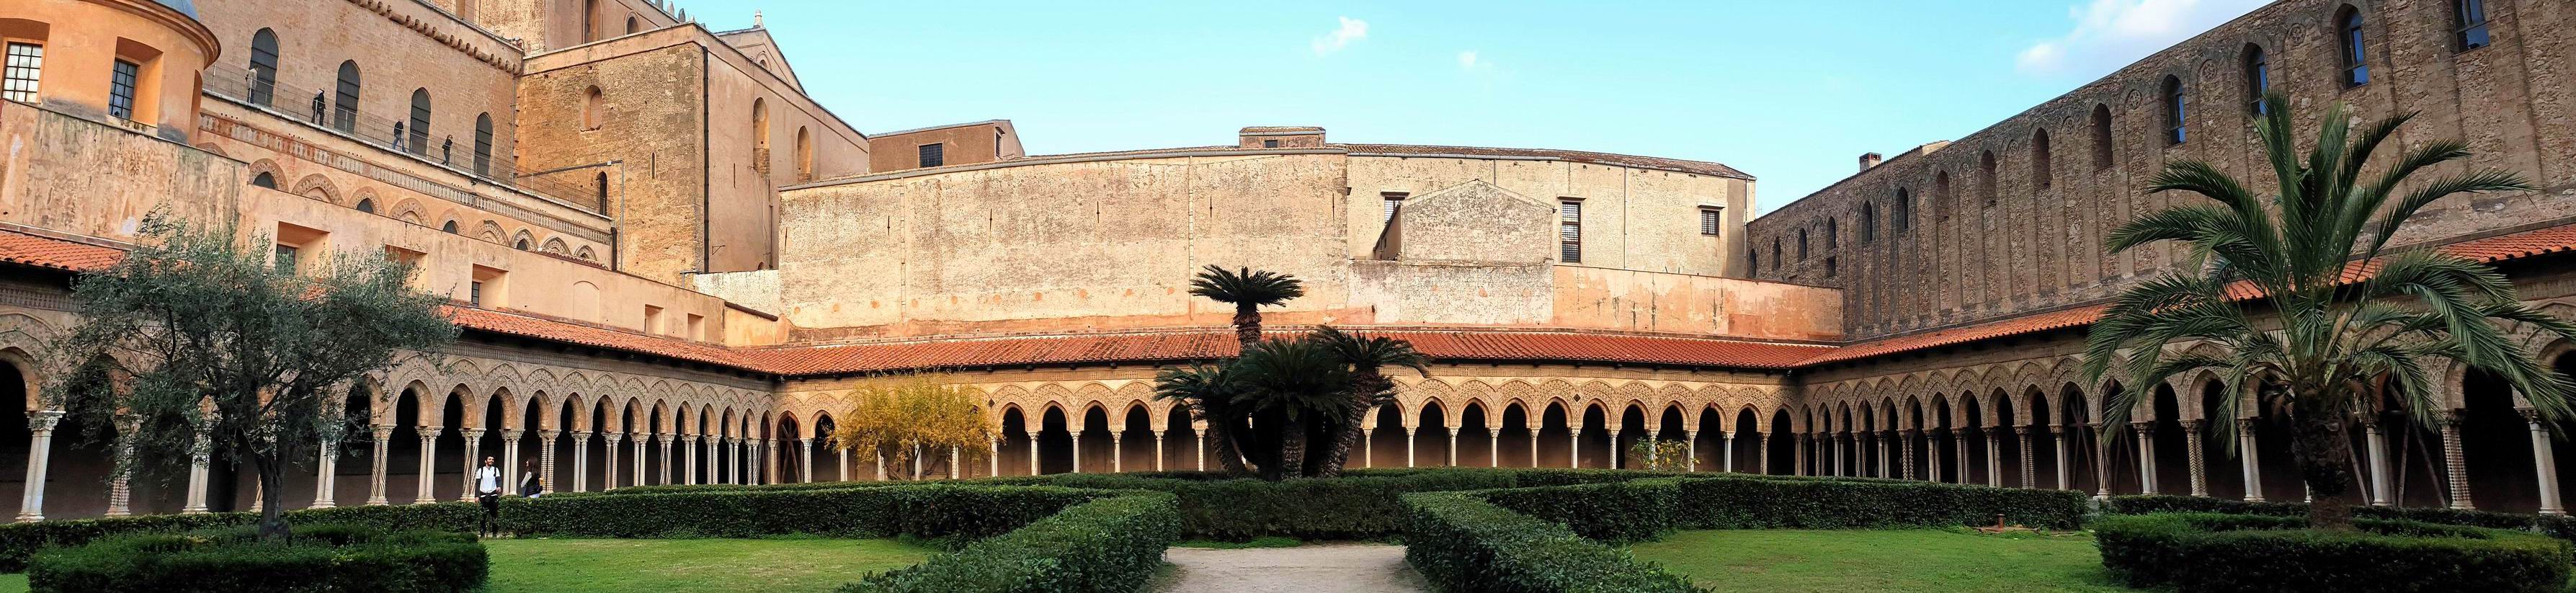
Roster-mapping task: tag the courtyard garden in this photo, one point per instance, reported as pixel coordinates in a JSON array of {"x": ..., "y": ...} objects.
[{"x": 1904, "y": 560}]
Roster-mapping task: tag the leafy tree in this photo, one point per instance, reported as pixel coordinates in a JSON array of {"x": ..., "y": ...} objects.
[
  {"x": 1660, "y": 455},
  {"x": 905, "y": 419},
  {"x": 1368, "y": 358},
  {"x": 1301, "y": 382},
  {"x": 216, "y": 342},
  {"x": 1248, "y": 290},
  {"x": 2324, "y": 337}
]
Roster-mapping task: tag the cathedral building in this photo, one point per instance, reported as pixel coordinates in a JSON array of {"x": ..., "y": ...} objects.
[{"x": 672, "y": 265}]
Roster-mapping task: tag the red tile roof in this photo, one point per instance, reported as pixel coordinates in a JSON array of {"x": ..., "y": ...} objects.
[
  {"x": 61, "y": 254},
  {"x": 1454, "y": 345},
  {"x": 524, "y": 325}
]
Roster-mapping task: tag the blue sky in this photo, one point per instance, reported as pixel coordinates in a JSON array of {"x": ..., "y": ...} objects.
[{"x": 1791, "y": 92}]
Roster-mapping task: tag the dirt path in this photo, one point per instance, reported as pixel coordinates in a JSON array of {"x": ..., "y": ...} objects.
[{"x": 1343, "y": 568}]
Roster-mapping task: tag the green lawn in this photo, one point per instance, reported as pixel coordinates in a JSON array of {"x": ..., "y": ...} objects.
[
  {"x": 676, "y": 565},
  {"x": 1903, "y": 560}
]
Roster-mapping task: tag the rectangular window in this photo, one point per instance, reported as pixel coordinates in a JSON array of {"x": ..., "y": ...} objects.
[
  {"x": 120, "y": 90},
  {"x": 1269, "y": 144},
  {"x": 474, "y": 294},
  {"x": 1711, "y": 221},
  {"x": 286, "y": 258},
  {"x": 2472, "y": 15},
  {"x": 1392, "y": 200},
  {"x": 1569, "y": 231},
  {"x": 933, "y": 155},
  {"x": 26, "y": 65}
]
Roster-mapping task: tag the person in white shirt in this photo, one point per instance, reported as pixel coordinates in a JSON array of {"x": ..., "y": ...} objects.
[
  {"x": 487, "y": 490},
  {"x": 530, "y": 483}
]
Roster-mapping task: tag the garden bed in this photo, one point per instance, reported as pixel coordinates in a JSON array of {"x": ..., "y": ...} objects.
[
  {"x": 1896, "y": 560},
  {"x": 2218, "y": 553},
  {"x": 765, "y": 565},
  {"x": 228, "y": 559}
]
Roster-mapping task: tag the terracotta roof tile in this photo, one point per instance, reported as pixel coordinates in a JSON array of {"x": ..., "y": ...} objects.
[
  {"x": 1219, "y": 343},
  {"x": 60, "y": 254},
  {"x": 574, "y": 333}
]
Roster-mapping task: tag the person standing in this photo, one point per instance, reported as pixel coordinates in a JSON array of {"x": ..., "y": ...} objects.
[
  {"x": 530, "y": 484},
  {"x": 487, "y": 490}
]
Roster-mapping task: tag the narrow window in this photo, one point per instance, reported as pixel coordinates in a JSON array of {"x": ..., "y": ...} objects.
[
  {"x": 2042, "y": 172},
  {"x": 1392, "y": 200},
  {"x": 600, "y": 180},
  {"x": 264, "y": 180},
  {"x": 1569, "y": 230},
  {"x": 933, "y": 155},
  {"x": 632, "y": 26},
  {"x": 2101, "y": 136},
  {"x": 1833, "y": 233},
  {"x": 286, "y": 258},
  {"x": 594, "y": 108},
  {"x": 120, "y": 89},
  {"x": 2472, "y": 18},
  {"x": 449, "y": 228},
  {"x": 804, "y": 154},
  {"x": 26, "y": 67},
  {"x": 1829, "y": 267},
  {"x": 367, "y": 206},
  {"x": 263, "y": 68},
  {"x": 1802, "y": 243},
  {"x": 1986, "y": 176},
  {"x": 474, "y": 294},
  {"x": 344, "y": 106},
  {"x": 483, "y": 144},
  {"x": 1945, "y": 203},
  {"x": 2177, "y": 128},
  {"x": 1775, "y": 255},
  {"x": 589, "y": 21},
  {"x": 1903, "y": 210},
  {"x": 1712, "y": 221},
  {"x": 1868, "y": 223},
  {"x": 2258, "y": 78},
  {"x": 760, "y": 135},
  {"x": 2356, "y": 56},
  {"x": 419, "y": 121},
  {"x": 1753, "y": 260}
]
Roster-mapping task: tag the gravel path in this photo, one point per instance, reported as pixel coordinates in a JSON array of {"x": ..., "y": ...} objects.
[{"x": 1348, "y": 568}]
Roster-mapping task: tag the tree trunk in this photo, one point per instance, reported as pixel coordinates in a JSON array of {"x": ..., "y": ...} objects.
[
  {"x": 2321, "y": 443},
  {"x": 1347, "y": 434},
  {"x": 1247, "y": 325},
  {"x": 1292, "y": 446},
  {"x": 1229, "y": 456},
  {"x": 272, "y": 500}
]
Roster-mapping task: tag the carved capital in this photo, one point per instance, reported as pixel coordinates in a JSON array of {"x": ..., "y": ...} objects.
[{"x": 44, "y": 420}]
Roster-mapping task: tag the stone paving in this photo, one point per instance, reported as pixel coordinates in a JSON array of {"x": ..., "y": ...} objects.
[{"x": 1329, "y": 568}]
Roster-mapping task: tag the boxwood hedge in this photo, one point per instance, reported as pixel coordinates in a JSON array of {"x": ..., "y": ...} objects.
[
  {"x": 1735, "y": 501},
  {"x": 2561, "y": 527},
  {"x": 1615, "y": 512},
  {"x": 19, "y": 541},
  {"x": 1460, "y": 542},
  {"x": 226, "y": 559},
  {"x": 1111, "y": 544},
  {"x": 929, "y": 510},
  {"x": 2215, "y": 553}
]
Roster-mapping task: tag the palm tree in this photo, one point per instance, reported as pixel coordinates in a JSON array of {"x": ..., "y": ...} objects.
[
  {"x": 1298, "y": 381},
  {"x": 1367, "y": 357},
  {"x": 2347, "y": 326},
  {"x": 1248, "y": 290},
  {"x": 1210, "y": 392}
]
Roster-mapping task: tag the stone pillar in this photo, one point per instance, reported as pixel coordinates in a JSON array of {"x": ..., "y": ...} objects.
[
  {"x": 1834, "y": 448},
  {"x": 2454, "y": 465},
  {"x": 1691, "y": 436},
  {"x": 40, "y": 446},
  {"x": 1453, "y": 447},
  {"x": 201, "y": 449},
  {"x": 2380, "y": 484},
  {"x": 428, "y": 482},
  {"x": 1118, "y": 452},
  {"x": 994, "y": 459},
  {"x": 1761, "y": 454},
  {"x": 843, "y": 454},
  {"x": 1493, "y": 447},
  {"x": 805, "y": 453},
  {"x": 2192, "y": 454},
  {"x": 2146, "y": 432},
  {"x": 667, "y": 456},
  {"x": 1408, "y": 446},
  {"x": 581, "y": 461},
  {"x": 1994, "y": 458},
  {"x": 1932, "y": 454},
  {"x": 546, "y": 442},
  {"x": 1905, "y": 454},
  {"x": 2101, "y": 461},
  {"x": 1200, "y": 434},
  {"x": 1959, "y": 439},
  {"x": 2029, "y": 463},
  {"x": 689, "y": 445},
  {"x": 326, "y": 474},
  {"x": 2252, "y": 459},
  {"x": 608, "y": 460},
  {"x": 1077, "y": 450},
  {"x": 1886, "y": 454},
  {"x": 1033, "y": 458},
  {"x": 510, "y": 459},
  {"x": 384, "y": 434},
  {"x": 2057, "y": 445},
  {"x": 120, "y": 490},
  {"x": 1158, "y": 450},
  {"x": 1798, "y": 458},
  {"x": 643, "y": 447},
  {"x": 1726, "y": 448},
  {"x": 1368, "y": 446},
  {"x": 2546, "y": 463},
  {"x": 473, "y": 459},
  {"x": 1573, "y": 448}
]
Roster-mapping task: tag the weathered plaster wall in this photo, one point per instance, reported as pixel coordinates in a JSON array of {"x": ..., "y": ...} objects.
[
  {"x": 74, "y": 175},
  {"x": 1639, "y": 219}
]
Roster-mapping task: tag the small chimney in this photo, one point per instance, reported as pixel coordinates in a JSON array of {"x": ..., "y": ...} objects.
[{"x": 1868, "y": 160}]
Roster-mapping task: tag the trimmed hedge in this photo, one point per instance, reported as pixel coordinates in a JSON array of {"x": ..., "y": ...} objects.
[
  {"x": 19, "y": 541},
  {"x": 1460, "y": 542},
  {"x": 2560, "y": 527},
  {"x": 317, "y": 558},
  {"x": 1617, "y": 513},
  {"x": 1729, "y": 501},
  {"x": 1108, "y": 545},
  {"x": 928, "y": 510},
  {"x": 2215, "y": 553}
]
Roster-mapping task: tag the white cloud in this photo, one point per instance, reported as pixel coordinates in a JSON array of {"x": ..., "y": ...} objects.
[
  {"x": 2112, "y": 33},
  {"x": 1469, "y": 61},
  {"x": 1351, "y": 30}
]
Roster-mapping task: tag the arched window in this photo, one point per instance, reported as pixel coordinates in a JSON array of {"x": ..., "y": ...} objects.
[
  {"x": 263, "y": 68},
  {"x": 2176, "y": 125},
  {"x": 2101, "y": 136},
  {"x": 2258, "y": 78},
  {"x": 483, "y": 144},
  {"x": 419, "y": 121},
  {"x": 1833, "y": 234},
  {"x": 589, "y": 21},
  {"x": 344, "y": 104},
  {"x": 264, "y": 180},
  {"x": 2042, "y": 173},
  {"x": 2470, "y": 18},
  {"x": 594, "y": 108},
  {"x": 2355, "y": 46},
  {"x": 601, "y": 181},
  {"x": 1868, "y": 223},
  {"x": 1986, "y": 176},
  {"x": 1902, "y": 211},
  {"x": 1775, "y": 255},
  {"x": 760, "y": 135},
  {"x": 1945, "y": 203},
  {"x": 632, "y": 25},
  {"x": 521, "y": 244},
  {"x": 367, "y": 205},
  {"x": 450, "y": 227},
  {"x": 804, "y": 154},
  {"x": 1802, "y": 243},
  {"x": 1753, "y": 260}
]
